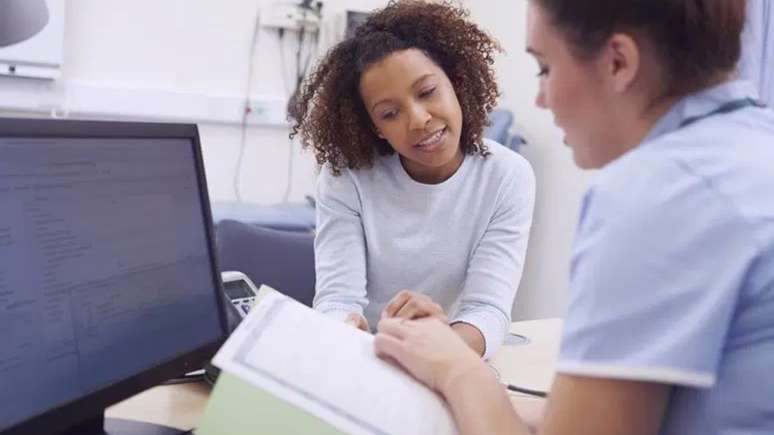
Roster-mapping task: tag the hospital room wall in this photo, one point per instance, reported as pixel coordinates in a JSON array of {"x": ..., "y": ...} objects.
[
  {"x": 187, "y": 48},
  {"x": 269, "y": 154},
  {"x": 182, "y": 60}
]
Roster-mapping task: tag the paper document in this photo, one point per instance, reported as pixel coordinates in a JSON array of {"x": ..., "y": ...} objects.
[{"x": 329, "y": 369}]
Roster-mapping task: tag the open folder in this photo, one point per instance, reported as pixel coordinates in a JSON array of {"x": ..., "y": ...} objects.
[{"x": 290, "y": 370}]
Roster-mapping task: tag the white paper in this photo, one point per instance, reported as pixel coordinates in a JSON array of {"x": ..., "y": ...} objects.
[{"x": 329, "y": 369}]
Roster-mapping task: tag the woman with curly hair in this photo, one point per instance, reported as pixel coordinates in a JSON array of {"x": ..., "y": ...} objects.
[{"x": 418, "y": 214}]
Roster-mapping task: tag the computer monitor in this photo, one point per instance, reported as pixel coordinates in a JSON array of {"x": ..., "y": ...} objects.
[{"x": 108, "y": 278}]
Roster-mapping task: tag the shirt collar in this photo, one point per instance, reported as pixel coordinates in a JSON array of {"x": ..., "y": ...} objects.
[{"x": 701, "y": 103}]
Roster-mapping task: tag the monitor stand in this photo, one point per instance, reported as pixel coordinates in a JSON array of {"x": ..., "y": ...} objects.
[{"x": 118, "y": 426}]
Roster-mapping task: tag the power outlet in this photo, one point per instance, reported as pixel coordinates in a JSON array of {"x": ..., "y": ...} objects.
[{"x": 267, "y": 111}]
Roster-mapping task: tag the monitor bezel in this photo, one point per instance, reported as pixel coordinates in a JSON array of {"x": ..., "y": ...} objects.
[{"x": 90, "y": 405}]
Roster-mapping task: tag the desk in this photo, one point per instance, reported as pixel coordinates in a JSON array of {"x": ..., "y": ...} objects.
[
  {"x": 179, "y": 406},
  {"x": 529, "y": 365}
]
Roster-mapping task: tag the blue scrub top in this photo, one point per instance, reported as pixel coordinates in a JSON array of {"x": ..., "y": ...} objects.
[{"x": 672, "y": 275}]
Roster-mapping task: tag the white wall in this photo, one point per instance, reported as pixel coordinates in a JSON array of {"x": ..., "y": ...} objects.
[
  {"x": 191, "y": 57},
  {"x": 186, "y": 60}
]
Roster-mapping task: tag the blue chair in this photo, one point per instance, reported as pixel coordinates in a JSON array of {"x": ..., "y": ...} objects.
[
  {"x": 499, "y": 130},
  {"x": 283, "y": 260},
  {"x": 284, "y": 217}
]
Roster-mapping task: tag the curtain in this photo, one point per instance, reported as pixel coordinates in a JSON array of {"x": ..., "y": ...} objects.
[{"x": 757, "y": 63}]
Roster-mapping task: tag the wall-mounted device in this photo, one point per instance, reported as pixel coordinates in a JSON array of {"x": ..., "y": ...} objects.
[
  {"x": 292, "y": 16},
  {"x": 352, "y": 20},
  {"x": 31, "y": 38}
]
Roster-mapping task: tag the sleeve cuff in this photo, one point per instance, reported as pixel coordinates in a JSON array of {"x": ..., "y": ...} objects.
[
  {"x": 339, "y": 311},
  {"x": 659, "y": 374},
  {"x": 491, "y": 322}
]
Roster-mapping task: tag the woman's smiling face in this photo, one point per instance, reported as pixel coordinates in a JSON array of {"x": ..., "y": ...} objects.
[{"x": 413, "y": 106}]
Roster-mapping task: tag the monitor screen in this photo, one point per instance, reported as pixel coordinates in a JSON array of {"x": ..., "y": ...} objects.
[{"x": 106, "y": 268}]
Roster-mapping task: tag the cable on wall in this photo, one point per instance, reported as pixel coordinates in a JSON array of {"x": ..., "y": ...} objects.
[
  {"x": 290, "y": 92},
  {"x": 301, "y": 69},
  {"x": 246, "y": 108}
]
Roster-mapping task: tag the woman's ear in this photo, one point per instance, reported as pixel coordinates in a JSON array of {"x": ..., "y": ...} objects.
[{"x": 622, "y": 60}]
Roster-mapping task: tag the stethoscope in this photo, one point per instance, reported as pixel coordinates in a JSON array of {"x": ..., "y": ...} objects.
[{"x": 731, "y": 106}]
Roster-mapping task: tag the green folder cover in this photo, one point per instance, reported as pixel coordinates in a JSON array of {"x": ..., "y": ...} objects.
[
  {"x": 237, "y": 407},
  {"x": 249, "y": 399}
]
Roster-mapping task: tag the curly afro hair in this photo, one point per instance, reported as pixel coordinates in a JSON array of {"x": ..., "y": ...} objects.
[{"x": 329, "y": 112}]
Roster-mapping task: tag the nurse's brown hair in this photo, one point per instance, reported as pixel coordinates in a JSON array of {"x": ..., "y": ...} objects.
[{"x": 696, "y": 41}]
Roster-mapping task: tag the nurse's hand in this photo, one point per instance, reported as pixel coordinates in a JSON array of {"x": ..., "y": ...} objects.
[
  {"x": 428, "y": 349},
  {"x": 358, "y": 321},
  {"x": 412, "y": 305}
]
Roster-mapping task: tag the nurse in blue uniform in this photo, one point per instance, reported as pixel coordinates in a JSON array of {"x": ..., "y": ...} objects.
[{"x": 670, "y": 327}]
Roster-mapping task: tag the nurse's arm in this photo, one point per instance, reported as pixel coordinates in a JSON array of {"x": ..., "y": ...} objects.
[
  {"x": 436, "y": 356},
  {"x": 470, "y": 335},
  {"x": 577, "y": 405}
]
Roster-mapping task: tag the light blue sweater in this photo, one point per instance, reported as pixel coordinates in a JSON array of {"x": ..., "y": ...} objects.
[{"x": 461, "y": 242}]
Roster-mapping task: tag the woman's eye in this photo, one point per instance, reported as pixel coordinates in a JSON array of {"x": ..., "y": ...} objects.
[
  {"x": 543, "y": 71},
  {"x": 389, "y": 115},
  {"x": 426, "y": 93}
]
